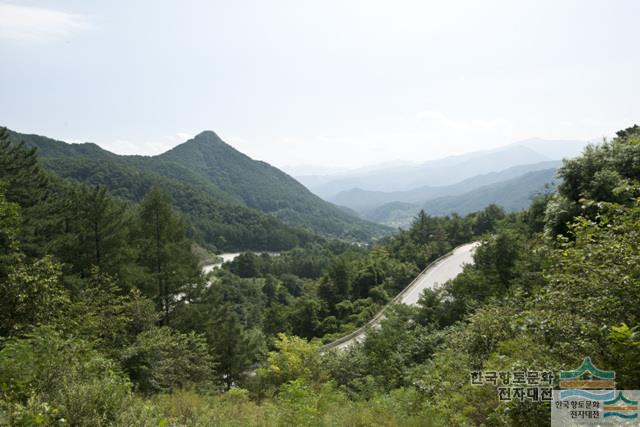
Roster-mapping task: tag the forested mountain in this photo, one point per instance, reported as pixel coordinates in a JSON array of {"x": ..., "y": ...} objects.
[
  {"x": 364, "y": 202},
  {"x": 512, "y": 195},
  {"x": 232, "y": 201},
  {"x": 263, "y": 187}
]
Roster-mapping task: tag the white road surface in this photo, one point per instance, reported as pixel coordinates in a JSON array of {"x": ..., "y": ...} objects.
[
  {"x": 438, "y": 273},
  {"x": 444, "y": 270}
]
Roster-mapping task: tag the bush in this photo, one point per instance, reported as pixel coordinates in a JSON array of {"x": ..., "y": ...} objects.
[{"x": 47, "y": 379}]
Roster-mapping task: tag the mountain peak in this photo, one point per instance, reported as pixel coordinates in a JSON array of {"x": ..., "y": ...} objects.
[{"x": 207, "y": 135}]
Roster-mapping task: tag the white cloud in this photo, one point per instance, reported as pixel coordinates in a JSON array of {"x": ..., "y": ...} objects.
[
  {"x": 38, "y": 25},
  {"x": 184, "y": 135}
]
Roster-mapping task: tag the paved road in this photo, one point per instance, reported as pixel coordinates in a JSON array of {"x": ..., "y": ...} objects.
[
  {"x": 438, "y": 273},
  {"x": 445, "y": 269}
]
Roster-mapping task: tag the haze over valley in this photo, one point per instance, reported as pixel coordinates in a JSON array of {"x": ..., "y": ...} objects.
[{"x": 392, "y": 194}]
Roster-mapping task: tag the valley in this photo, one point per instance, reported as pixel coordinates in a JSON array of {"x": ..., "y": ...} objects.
[{"x": 510, "y": 177}]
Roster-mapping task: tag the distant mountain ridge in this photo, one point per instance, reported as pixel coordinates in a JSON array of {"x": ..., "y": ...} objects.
[
  {"x": 391, "y": 195},
  {"x": 363, "y": 201},
  {"x": 444, "y": 171},
  {"x": 447, "y": 171},
  {"x": 513, "y": 194},
  {"x": 232, "y": 201}
]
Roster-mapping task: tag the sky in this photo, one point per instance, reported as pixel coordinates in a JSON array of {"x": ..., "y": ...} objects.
[{"x": 333, "y": 83}]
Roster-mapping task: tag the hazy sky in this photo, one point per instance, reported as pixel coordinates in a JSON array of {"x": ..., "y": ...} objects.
[{"x": 340, "y": 83}]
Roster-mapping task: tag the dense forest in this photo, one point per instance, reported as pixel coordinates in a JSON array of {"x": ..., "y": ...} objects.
[
  {"x": 107, "y": 319},
  {"x": 231, "y": 202}
]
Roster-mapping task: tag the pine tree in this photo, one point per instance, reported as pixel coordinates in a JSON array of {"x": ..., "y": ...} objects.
[
  {"x": 165, "y": 251},
  {"x": 9, "y": 223},
  {"x": 19, "y": 168},
  {"x": 92, "y": 229},
  {"x": 26, "y": 185},
  {"x": 103, "y": 228},
  {"x": 422, "y": 228},
  {"x": 231, "y": 343}
]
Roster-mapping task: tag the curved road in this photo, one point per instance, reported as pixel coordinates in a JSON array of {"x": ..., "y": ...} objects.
[{"x": 440, "y": 271}]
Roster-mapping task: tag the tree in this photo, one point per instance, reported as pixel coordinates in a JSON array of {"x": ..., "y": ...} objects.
[
  {"x": 19, "y": 168},
  {"x": 306, "y": 316},
  {"x": 165, "y": 251},
  {"x": 236, "y": 349},
  {"x": 105, "y": 315},
  {"x": 336, "y": 286},
  {"x": 608, "y": 172},
  {"x": 49, "y": 379},
  {"x": 102, "y": 228},
  {"x": 294, "y": 358},
  {"x": 422, "y": 228},
  {"x": 9, "y": 228},
  {"x": 94, "y": 229},
  {"x": 26, "y": 185},
  {"x": 163, "y": 360},
  {"x": 246, "y": 264},
  {"x": 32, "y": 294},
  {"x": 487, "y": 219}
]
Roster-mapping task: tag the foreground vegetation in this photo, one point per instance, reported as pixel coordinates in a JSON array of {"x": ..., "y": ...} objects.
[{"x": 106, "y": 320}]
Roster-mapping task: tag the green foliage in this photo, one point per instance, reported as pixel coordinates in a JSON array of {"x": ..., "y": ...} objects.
[
  {"x": 110, "y": 319},
  {"x": 164, "y": 251},
  {"x": 9, "y": 228},
  {"x": 161, "y": 360},
  {"x": 295, "y": 359},
  {"x": 47, "y": 379},
  {"x": 32, "y": 295},
  {"x": 95, "y": 229},
  {"x": 236, "y": 347},
  {"x": 382, "y": 362},
  {"x": 607, "y": 172},
  {"x": 624, "y": 344},
  {"x": 20, "y": 170}
]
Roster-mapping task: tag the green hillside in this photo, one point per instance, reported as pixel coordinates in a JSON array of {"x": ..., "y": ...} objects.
[
  {"x": 231, "y": 201},
  {"x": 512, "y": 195},
  {"x": 261, "y": 186}
]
